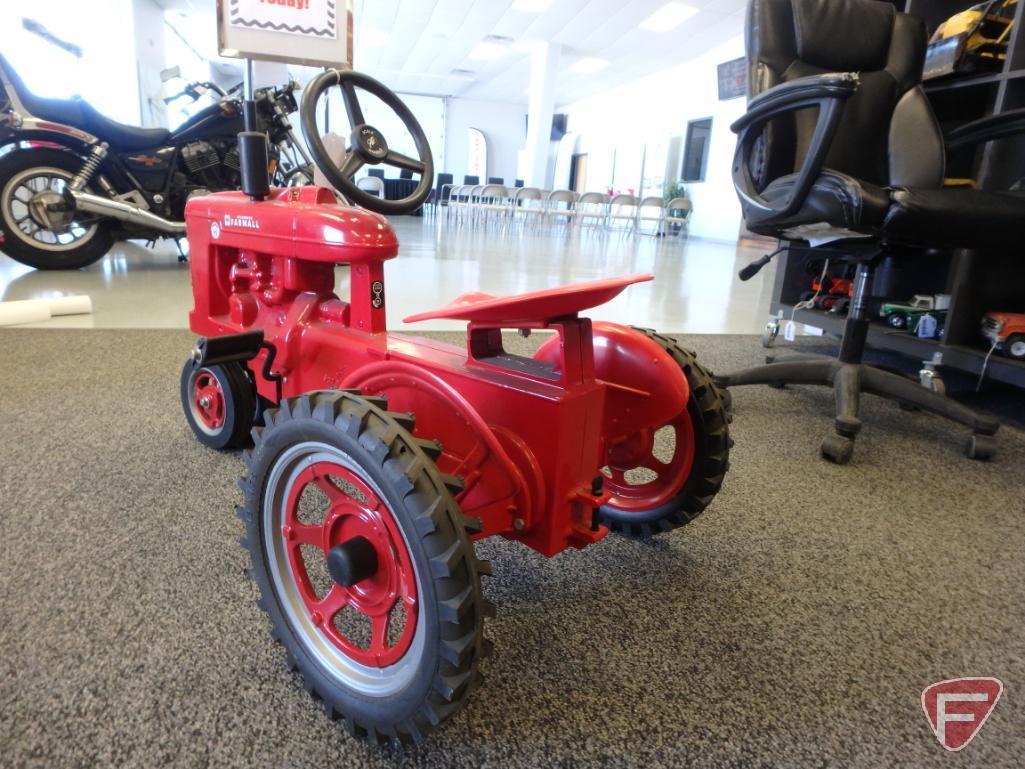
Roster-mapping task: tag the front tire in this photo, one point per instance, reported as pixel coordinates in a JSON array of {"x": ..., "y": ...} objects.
[
  {"x": 26, "y": 174},
  {"x": 687, "y": 481},
  {"x": 219, "y": 403},
  {"x": 381, "y": 535},
  {"x": 1014, "y": 347}
]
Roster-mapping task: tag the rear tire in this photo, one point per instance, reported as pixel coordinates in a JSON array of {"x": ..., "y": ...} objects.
[
  {"x": 14, "y": 168},
  {"x": 708, "y": 418},
  {"x": 386, "y": 491}
]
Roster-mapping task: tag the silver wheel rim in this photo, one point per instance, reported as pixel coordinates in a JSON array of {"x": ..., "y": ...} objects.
[
  {"x": 375, "y": 682},
  {"x": 1018, "y": 349},
  {"x": 19, "y": 190}
]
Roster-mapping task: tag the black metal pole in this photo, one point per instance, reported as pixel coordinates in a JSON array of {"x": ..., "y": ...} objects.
[{"x": 252, "y": 144}]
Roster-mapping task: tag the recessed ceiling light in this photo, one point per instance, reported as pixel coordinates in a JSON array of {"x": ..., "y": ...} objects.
[
  {"x": 486, "y": 51},
  {"x": 589, "y": 64},
  {"x": 668, "y": 17},
  {"x": 531, "y": 6}
]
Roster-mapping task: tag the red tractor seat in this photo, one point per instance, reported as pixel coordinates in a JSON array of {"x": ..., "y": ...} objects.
[
  {"x": 304, "y": 223},
  {"x": 534, "y": 306}
]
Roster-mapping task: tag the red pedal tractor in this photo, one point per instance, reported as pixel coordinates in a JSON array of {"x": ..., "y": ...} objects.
[{"x": 379, "y": 458}]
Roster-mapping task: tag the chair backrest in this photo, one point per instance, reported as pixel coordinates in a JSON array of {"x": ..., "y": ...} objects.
[
  {"x": 471, "y": 179},
  {"x": 373, "y": 184},
  {"x": 443, "y": 179},
  {"x": 625, "y": 200},
  {"x": 594, "y": 199},
  {"x": 474, "y": 191},
  {"x": 519, "y": 182},
  {"x": 496, "y": 180},
  {"x": 679, "y": 204},
  {"x": 888, "y": 134},
  {"x": 405, "y": 174},
  {"x": 528, "y": 193},
  {"x": 563, "y": 196},
  {"x": 653, "y": 201},
  {"x": 494, "y": 191},
  {"x": 377, "y": 172}
]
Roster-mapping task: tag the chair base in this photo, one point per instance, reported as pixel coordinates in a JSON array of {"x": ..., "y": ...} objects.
[{"x": 849, "y": 381}]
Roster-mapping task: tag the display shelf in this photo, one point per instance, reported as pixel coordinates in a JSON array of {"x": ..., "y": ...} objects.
[{"x": 882, "y": 337}]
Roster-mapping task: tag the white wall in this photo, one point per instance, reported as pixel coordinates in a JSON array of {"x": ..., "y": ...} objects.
[
  {"x": 148, "y": 23},
  {"x": 504, "y": 126},
  {"x": 656, "y": 107}
]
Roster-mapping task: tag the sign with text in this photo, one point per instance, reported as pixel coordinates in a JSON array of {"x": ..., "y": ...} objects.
[
  {"x": 311, "y": 32},
  {"x": 732, "y": 79}
]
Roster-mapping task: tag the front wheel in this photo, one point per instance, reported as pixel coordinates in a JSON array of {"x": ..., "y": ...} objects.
[
  {"x": 664, "y": 478},
  {"x": 1014, "y": 347},
  {"x": 219, "y": 403},
  {"x": 36, "y": 232}
]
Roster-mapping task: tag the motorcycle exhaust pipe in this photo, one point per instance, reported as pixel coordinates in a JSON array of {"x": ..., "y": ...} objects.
[{"x": 125, "y": 212}]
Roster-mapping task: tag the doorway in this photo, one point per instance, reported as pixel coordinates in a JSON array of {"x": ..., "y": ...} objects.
[{"x": 578, "y": 173}]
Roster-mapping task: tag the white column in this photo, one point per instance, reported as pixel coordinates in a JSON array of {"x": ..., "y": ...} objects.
[{"x": 544, "y": 68}]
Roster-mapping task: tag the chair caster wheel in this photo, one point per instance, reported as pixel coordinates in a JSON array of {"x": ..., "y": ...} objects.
[
  {"x": 981, "y": 447},
  {"x": 837, "y": 449},
  {"x": 770, "y": 334}
]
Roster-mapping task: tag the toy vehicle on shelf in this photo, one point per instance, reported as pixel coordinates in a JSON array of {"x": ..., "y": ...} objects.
[
  {"x": 379, "y": 458},
  {"x": 974, "y": 40},
  {"x": 1007, "y": 331},
  {"x": 829, "y": 294},
  {"x": 906, "y": 316}
]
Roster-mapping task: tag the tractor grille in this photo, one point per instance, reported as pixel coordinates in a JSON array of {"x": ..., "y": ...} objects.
[{"x": 990, "y": 324}]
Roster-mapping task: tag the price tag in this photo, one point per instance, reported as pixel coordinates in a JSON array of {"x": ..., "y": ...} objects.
[{"x": 789, "y": 331}]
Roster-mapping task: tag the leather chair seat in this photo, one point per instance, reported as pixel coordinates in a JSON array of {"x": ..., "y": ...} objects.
[
  {"x": 956, "y": 217},
  {"x": 78, "y": 113}
]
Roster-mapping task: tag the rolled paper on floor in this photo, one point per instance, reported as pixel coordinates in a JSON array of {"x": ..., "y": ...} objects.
[
  {"x": 70, "y": 305},
  {"x": 28, "y": 311}
]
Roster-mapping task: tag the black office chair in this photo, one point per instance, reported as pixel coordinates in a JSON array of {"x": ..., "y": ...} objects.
[
  {"x": 519, "y": 182},
  {"x": 839, "y": 141},
  {"x": 378, "y": 172},
  {"x": 405, "y": 174},
  {"x": 471, "y": 179},
  {"x": 496, "y": 180}
]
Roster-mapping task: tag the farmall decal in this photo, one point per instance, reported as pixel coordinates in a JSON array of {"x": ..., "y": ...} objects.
[
  {"x": 309, "y": 18},
  {"x": 245, "y": 222}
]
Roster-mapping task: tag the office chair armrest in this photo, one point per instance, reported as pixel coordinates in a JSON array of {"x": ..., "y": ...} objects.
[
  {"x": 987, "y": 129},
  {"x": 829, "y": 93}
]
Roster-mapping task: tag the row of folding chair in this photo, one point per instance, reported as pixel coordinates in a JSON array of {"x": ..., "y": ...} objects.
[{"x": 495, "y": 203}]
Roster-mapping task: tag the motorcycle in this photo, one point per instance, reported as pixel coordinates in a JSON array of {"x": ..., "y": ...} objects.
[{"x": 73, "y": 182}]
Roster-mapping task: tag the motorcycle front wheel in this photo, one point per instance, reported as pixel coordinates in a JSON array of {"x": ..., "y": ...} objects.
[{"x": 29, "y": 181}]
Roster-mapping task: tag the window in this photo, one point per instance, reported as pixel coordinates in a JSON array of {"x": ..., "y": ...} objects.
[{"x": 695, "y": 156}]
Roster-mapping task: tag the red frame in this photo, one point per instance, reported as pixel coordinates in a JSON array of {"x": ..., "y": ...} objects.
[{"x": 528, "y": 436}]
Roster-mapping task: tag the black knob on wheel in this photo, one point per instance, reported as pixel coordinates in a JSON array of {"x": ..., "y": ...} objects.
[{"x": 352, "y": 561}]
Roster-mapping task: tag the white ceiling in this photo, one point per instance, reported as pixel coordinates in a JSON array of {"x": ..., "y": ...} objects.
[{"x": 414, "y": 45}]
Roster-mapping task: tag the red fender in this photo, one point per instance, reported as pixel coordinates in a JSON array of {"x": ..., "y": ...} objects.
[{"x": 646, "y": 388}]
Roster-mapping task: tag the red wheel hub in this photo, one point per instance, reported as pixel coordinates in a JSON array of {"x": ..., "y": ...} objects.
[
  {"x": 357, "y": 512},
  {"x": 208, "y": 399},
  {"x": 636, "y": 454}
]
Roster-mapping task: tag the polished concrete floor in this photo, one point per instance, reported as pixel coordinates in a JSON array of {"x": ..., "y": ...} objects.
[{"x": 696, "y": 289}]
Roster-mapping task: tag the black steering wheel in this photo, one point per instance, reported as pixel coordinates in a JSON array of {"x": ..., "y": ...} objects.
[{"x": 366, "y": 144}]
